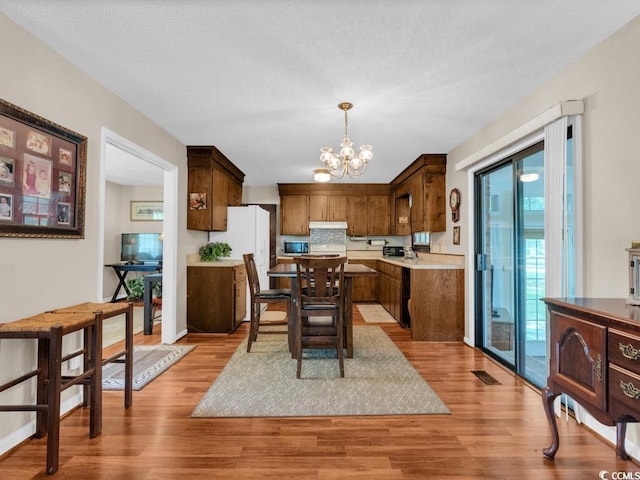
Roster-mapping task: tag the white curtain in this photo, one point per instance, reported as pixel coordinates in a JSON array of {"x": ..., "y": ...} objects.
[{"x": 563, "y": 216}]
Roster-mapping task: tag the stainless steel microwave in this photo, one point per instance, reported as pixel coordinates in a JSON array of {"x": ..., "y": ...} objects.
[{"x": 296, "y": 248}]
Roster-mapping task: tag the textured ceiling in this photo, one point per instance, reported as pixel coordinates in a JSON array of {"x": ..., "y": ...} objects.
[{"x": 261, "y": 80}]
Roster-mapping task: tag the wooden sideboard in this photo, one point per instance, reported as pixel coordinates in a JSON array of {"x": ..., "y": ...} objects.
[{"x": 595, "y": 359}]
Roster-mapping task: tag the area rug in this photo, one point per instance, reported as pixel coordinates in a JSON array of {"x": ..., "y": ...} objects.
[
  {"x": 113, "y": 328},
  {"x": 378, "y": 380},
  {"x": 374, "y": 313},
  {"x": 149, "y": 361}
]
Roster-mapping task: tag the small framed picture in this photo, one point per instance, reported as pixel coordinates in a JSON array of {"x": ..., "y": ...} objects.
[
  {"x": 147, "y": 211},
  {"x": 456, "y": 235},
  {"x": 7, "y": 167},
  {"x": 197, "y": 201},
  {"x": 7, "y": 137},
  {"x": 6, "y": 206},
  {"x": 64, "y": 156},
  {"x": 39, "y": 143},
  {"x": 64, "y": 213}
]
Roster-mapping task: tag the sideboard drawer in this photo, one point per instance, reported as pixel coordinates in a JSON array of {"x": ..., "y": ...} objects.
[
  {"x": 624, "y": 350},
  {"x": 624, "y": 392}
]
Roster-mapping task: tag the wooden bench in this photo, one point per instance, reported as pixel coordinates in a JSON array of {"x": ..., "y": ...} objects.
[
  {"x": 108, "y": 310},
  {"x": 48, "y": 329}
]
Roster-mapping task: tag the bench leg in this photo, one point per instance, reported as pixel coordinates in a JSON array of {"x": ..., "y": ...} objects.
[{"x": 53, "y": 394}]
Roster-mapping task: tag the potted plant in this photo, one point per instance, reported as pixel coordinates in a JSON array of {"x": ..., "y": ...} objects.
[
  {"x": 136, "y": 288},
  {"x": 211, "y": 252}
]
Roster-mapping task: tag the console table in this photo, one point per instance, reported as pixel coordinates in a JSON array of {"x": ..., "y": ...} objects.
[
  {"x": 595, "y": 359},
  {"x": 122, "y": 270}
]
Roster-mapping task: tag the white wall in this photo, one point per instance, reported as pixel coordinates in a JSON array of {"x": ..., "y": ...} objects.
[
  {"x": 42, "y": 274},
  {"x": 607, "y": 79}
]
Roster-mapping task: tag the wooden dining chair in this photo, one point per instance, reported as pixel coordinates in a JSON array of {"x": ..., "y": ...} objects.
[
  {"x": 319, "y": 293},
  {"x": 258, "y": 297}
]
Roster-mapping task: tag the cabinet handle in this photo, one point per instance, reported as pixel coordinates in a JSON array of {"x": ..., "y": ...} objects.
[
  {"x": 629, "y": 352},
  {"x": 630, "y": 390},
  {"x": 598, "y": 367}
]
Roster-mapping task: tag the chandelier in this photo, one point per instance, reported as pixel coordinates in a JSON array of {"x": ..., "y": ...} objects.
[{"x": 346, "y": 162}]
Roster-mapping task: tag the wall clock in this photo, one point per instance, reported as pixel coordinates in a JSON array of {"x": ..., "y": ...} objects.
[{"x": 454, "y": 203}]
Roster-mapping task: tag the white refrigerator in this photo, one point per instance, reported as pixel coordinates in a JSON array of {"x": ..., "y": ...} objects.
[{"x": 248, "y": 232}]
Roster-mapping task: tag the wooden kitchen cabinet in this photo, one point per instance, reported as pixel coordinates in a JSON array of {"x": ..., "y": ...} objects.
[
  {"x": 378, "y": 222},
  {"x": 217, "y": 182},
  {"x": 357, "y": 213},
  {"x": 390, "y": 290},
  {"x": 337, "y": 208},
  {"x": 216, "y": 298},
  {"x": 327, "y": 208},
  {"x": 294, "y": 215},
  {"x": 436, "y": 305},
  {"x": 365, "y": 288},
  {"x": 318, "y": 208},
  {"x": 419, "y": 193},
  {"x": 595, "y": 359},
  {"x": 365, "y": 207}
]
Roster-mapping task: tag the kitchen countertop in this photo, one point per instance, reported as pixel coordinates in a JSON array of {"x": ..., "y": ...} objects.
[
  {"x": 434, "y": 261},
  {"x": 193, "y": 260}
]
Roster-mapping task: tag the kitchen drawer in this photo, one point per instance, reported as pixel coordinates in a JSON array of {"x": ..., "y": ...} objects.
[
  {"x": 624, "y": 350},
  {"x": 624, "y": 392}
]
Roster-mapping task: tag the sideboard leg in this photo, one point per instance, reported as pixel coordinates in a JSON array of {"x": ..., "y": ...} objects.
[
  {"x": 621, "y": 432},
  {"x": 547, "y": 401}
]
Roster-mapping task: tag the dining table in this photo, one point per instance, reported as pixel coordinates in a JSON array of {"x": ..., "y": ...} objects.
[{"x": 288, "y": 270}]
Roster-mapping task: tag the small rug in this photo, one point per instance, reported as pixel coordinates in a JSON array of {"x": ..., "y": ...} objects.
[
  {"x": 379, "y": 380},
  {"x": 375, "y": 313},
  {"x": 149, "y": 361}
]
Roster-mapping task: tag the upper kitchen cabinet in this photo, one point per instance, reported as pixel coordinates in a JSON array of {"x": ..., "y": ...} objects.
[
  {"x": 327, "y": 208},
  {"x": 357, "y": 213},
  {"x": 365, "y": 207},
  {"x": 294, "y": 214},
  {"x": 214, "y": 183},
  {"x": 419, "y": 196},
  {"x": 379, "y": 215}
]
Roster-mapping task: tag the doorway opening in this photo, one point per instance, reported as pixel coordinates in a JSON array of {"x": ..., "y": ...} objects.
[{"x": 169, "y": 175}]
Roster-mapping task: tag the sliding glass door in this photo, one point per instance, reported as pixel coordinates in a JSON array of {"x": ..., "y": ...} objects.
[{"x": 510, "y": 263}]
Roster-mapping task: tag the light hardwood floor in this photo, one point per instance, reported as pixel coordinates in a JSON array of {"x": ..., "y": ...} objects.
[{"x": 494, "y": 432}]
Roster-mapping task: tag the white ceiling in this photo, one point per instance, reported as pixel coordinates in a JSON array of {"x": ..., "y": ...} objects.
[{"x": 261, "y": 79}]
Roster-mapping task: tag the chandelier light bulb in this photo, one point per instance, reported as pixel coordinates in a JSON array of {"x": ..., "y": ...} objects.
[{"x": 347, "y": 162}]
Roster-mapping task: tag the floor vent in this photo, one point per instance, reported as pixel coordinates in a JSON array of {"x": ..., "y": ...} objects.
[{"x": 485, "y": 377}]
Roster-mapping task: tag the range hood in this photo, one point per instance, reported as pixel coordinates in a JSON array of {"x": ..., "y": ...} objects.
[{"x": 327, "y": 225}]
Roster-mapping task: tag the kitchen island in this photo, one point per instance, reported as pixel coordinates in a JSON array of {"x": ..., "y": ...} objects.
[{"x": 425, "y": 294}]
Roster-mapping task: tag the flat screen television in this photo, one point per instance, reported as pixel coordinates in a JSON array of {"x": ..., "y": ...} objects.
[{"x": 141, "y": 248}]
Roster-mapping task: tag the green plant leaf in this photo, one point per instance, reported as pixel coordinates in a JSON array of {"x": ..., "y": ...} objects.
[{"x": 211, "y": 252}]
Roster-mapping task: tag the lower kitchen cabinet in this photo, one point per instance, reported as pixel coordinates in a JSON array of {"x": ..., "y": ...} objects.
[
  {"x": 216, "y": 298},
  {"x": 365, "y": 289}
]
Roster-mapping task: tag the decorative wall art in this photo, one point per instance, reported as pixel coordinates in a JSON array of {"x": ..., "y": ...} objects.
[
  {"x": 456, "y": 235},
  {"x": 42, "y": 176},
  {"x": 145, "y": 211}
]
